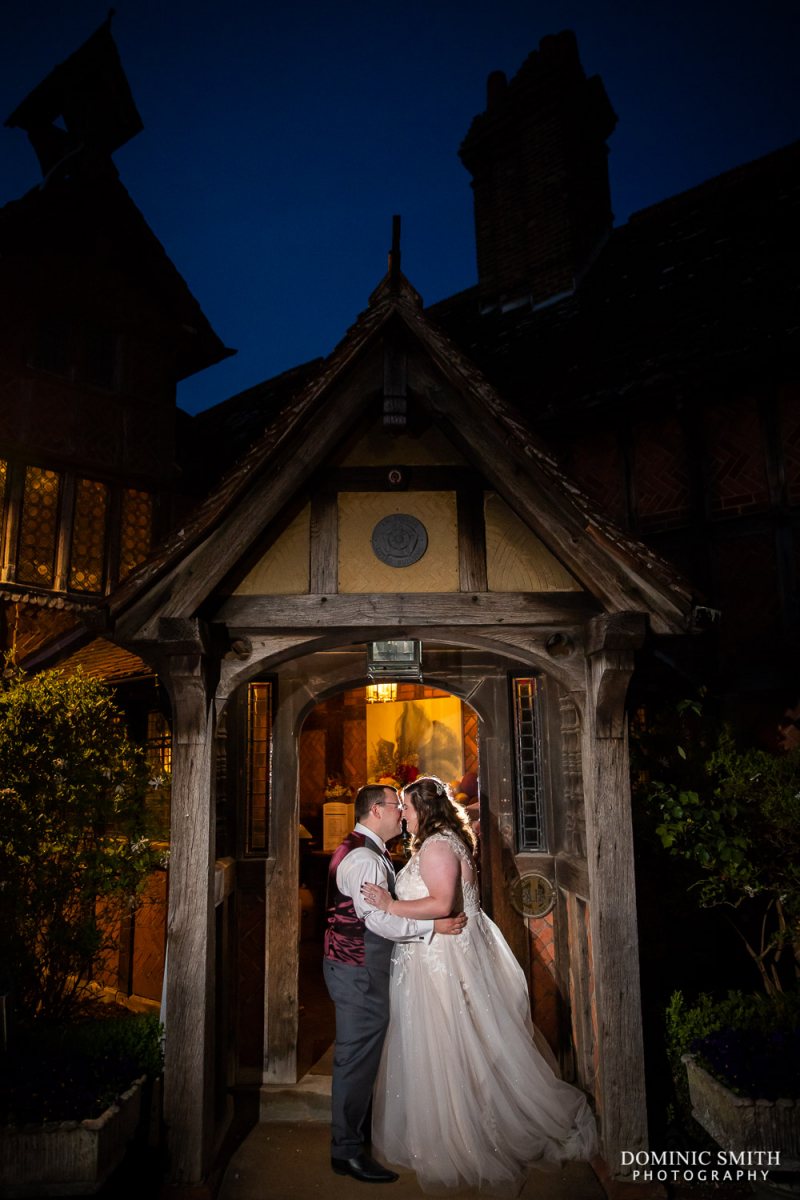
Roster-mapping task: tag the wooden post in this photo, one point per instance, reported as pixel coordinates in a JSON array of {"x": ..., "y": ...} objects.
[
  {"x": 282, "y": 916},
  {"x": 189, "y": 993},
  {"x": 620, "y": 1083}
]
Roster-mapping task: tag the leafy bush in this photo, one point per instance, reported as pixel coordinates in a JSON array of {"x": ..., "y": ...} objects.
[
  {"x": 745, "y": 1023},
  {"x": 75, "y": 841},
  {"x": 75, "y": 1072},
  {"x": 731, "y": 817}
]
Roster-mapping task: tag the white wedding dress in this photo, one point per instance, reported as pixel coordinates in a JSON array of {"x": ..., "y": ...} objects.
[{"x": 463, "y": 1096}]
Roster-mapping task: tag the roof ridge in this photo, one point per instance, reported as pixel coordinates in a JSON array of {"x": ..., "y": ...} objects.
[{"x": 731, "y": 176}]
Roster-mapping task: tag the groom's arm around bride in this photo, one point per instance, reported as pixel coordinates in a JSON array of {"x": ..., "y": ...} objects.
[{"x": 358, "y": 949}]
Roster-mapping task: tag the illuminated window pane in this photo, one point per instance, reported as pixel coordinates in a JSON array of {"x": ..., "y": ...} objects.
[
  {"x": 259, "y": 763},
  {"x": 137, "y": 529},
  {"x": 38, "y": 527},
  {"x": 159, "y": 756},
  {"x": 528, "y": 791},
  {"x": 3, "y": 477},
  {"x": 88, "y": 536},
  {"x": 159, "y": 742}
]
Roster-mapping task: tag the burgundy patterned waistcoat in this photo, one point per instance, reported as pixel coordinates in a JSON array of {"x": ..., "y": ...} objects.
[{"x": 347, "y": 939}]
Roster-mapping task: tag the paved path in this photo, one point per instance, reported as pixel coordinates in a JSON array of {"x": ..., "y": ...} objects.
[{"x": 291, "y": 1161}]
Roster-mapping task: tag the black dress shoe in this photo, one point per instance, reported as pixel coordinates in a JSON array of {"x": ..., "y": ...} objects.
[{"x": 364, "y": 1169}]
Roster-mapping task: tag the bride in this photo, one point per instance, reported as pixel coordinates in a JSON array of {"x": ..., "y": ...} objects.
[{"x": 463, "y": 1096}]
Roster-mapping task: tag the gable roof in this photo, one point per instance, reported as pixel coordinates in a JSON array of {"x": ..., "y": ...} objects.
[
  {"x": 703, "y": 284},
  {"x": 636, "y": 577},
  {"x": 91, "y": 207}
]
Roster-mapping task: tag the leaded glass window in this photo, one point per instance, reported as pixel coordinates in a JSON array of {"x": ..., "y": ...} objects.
[
  {"x": 529, "y": 797},
  {"x": 259, "y": 763},
  {"x": 88, "y": 536},
  {"x": 159, "y": 756},
  {"x": 38, "y": 527},
  {"x": 136, "y": 534}
]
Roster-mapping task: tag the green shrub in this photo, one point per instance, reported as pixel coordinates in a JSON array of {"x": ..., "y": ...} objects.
[{"x": 75, "y": 839}]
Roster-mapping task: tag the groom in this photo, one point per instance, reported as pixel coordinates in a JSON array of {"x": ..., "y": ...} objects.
[{"x": 358, "y": 951}]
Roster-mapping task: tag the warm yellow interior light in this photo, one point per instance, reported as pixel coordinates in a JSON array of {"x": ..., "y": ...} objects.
[{"x": 381, "y": 693}]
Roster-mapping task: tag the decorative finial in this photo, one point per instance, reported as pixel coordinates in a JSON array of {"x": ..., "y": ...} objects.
[{"x": 394, "y": 255}]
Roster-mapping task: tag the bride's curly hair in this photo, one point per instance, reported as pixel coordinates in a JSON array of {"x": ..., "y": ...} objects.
[{"x": 436, "y": 811}]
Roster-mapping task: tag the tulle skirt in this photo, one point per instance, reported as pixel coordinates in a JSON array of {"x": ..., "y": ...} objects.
[{"x": 463, "y": 1096}]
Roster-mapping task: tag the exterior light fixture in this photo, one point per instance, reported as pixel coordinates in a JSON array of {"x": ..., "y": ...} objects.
[
  {"x": 381, "y": 693},
  {"x": 395, "y": 660}
]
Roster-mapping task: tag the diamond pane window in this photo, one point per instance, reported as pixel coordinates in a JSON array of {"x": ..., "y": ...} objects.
[
  {"x": 88, "y": 536},
  {"x": 38, "y": 527},
  {"x": 259, "y": 764},
  {"x": 529, "y": 799},
  {"x": 137, "y": 529}
]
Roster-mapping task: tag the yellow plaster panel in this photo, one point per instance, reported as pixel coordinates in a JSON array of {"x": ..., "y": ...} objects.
[
  {"x": 283, "y": 570},
  {"x": 378, "y": 449},
  {"x": 361, "y": 571},
  {"x": 516, "y": 560}
]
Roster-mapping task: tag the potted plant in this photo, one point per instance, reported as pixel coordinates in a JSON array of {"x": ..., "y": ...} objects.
[{"x": 742, "y": 1061}]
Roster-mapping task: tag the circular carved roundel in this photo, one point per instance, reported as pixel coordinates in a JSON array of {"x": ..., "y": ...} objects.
[
  {"x": 399, "y": 540},
  {"x": 532, "y": 895}
]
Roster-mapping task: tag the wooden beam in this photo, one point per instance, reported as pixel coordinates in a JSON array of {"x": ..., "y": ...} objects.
[
  {"x": 324, "y": 543},
  {"x": 189, "y": 983},
  {"x": 572, "y": 874},
  {"x": 471, "y": 540},
  {"x": 612, "y": 915},
  {"x": 377, "y": 608},
  {"x": 189, "y": 581},
  {"x": 281, "y": 1010}
]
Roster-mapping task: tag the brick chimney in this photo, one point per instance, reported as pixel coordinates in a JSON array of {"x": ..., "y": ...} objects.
[{"x": 539, "y": 162}]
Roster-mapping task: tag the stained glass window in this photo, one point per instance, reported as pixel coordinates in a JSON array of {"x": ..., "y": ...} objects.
[
  {"x": 159, "y": 756},
  {"x": 528, "y": 792},
  {"x": 88, "y": 536},
  {"x": 38, "y": 527},
  {"x": 259, "y": 762},
  {"x": 137, "y": 529}
]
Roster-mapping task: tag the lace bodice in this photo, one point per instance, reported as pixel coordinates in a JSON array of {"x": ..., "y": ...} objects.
[{"x": 411, "y": 886}]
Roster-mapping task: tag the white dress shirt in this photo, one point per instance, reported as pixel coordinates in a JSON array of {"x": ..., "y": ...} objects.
[{"x": 364, "y": 866}]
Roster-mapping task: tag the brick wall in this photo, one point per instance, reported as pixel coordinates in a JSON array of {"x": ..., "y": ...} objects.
[
  {"x": 596, "y": 463},
  {"x": 662, "y": 477},
  {"x": 737, "y": 479},
  {"x": 544, "y": 992}
]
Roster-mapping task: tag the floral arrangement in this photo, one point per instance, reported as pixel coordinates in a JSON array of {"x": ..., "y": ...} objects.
[
  {"x": 391, "y": 769},
  {"x": 336, "y": 790}
]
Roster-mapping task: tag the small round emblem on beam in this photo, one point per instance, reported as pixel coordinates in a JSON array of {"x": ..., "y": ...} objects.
[
  {"x": 532, "y": 895},
  {"x": 399, "y": 540}
]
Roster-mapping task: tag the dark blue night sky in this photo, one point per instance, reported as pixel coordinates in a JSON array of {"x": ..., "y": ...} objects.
[{"x": 279, "y": 139}]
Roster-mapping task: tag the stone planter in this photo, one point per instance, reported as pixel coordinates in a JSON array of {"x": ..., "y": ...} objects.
[
  {"x": 68, "y": 1158},
  {"x": 739, "y": 1123}
]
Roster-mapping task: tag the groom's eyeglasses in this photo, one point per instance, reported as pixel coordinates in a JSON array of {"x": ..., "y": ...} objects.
[{"x": 391, "y": 804}]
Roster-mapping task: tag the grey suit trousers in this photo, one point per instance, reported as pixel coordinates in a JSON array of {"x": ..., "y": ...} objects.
[{"x": 361, "y": 997}]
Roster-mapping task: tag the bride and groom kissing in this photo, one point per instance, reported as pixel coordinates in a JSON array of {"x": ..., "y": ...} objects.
[{"x": 433, "y": 1023}]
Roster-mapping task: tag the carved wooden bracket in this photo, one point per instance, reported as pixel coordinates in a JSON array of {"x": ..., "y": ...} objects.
[{"x": 611, "y": 641}]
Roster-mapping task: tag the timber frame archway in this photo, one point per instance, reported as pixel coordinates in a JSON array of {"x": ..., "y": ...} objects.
[{"x": 274, "y": 572}]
